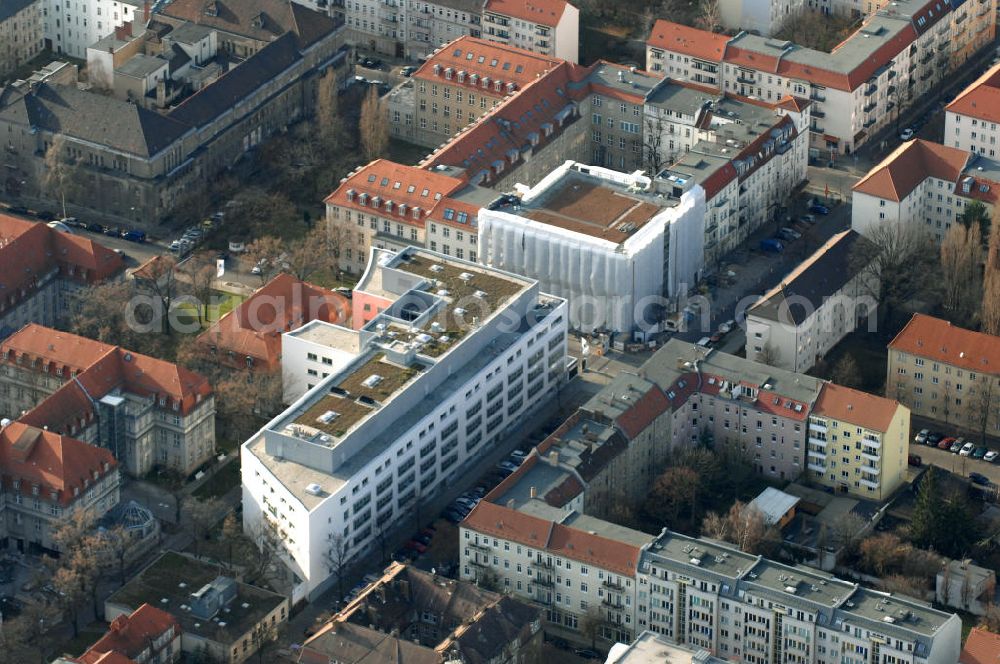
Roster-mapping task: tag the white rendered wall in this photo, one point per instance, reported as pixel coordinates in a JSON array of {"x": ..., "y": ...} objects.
[{"x": 296, "y": 364}]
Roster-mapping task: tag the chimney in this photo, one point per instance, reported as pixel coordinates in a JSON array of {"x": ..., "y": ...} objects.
[
  {"x": 554, "y": 458},
  {"x": 510, "y": 504},
  {"x": 161, "y": 93},
  {"x": 534, "y": 492}
]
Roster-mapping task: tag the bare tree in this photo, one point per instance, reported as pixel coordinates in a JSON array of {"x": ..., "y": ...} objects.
[
  {"x": 201, "y": 516},
  {"x": 653, "y": 144},
  {"x": 329, "y": 124},
  {"x": 373, "y": 126},
  {"x": 590, "y": 625},
  {"x": 312, "y": 254},
  {"x": 893, "y": 265},
  {"x": 961, "y": 254},
  {"x": 710, "y": 16},
  {"x": 990, "y": 312},
  {"x": 266, "y": 253},
  {"x": 246, "y": 400},
  {"x": 200, "y": 271},
  {"x": 768, "y": 354},
  {"x": 336, "y": 561},
  {"x": 846, "y": 372},
  {"x": 743, "y": 526},
  {"x": 21, "y": 636},
  {"x": 984, "y": 404},
  {"x": 158, "y": 279},
  {"x": 60, "y": 171},
  {"x": 68, "y": 588}
]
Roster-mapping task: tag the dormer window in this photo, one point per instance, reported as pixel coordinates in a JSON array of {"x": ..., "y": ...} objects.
[
  {"x": 402, "y": 208},
  {"x": 486, "y": 82},
  {"x": 461, "y": 76},
  {"x": 448, "y": 73},
  {"x": 437, "y": 69},
  {"x": 498, "y": 85},
  {"x": 416, "y": 213},
  {"x": 34, "y": 489},
  {"x": 350, "y": 194}
]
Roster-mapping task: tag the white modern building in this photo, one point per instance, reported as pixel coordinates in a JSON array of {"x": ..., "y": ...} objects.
[
  {"x": 923, "y": 185},
  {"x": 547, "y": 27},
  {"x": 457, "y": 357},
  {"x": 312, "y": 353},
  {"x": 606, "y": 241},
  {"x": 817, "y": 304},
  {"x": 970, "y": 121},
  {"x": 70, "y": 27}
]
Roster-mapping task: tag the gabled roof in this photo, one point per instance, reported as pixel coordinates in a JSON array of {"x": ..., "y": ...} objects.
[
  {"x": 254, "y": 329},
  {"x": 55, "y": 463},
  {"x": 859, "y": 408},
  {"x": 9, "y": 8},
  {"x": 696, "y": 43},
  {"x": 91, "y": 117},
  {"x": 485, "y": 58},
  {"x": 908, "y": 166},
  {"x": 130, "y": 635},
  {"x": 981, "y": 99},
  {"x": 544, "y": 12},
  {"x": 263, "y": 20},
  {"x": 641, "y": 414},
  {"x": 939, "y": 340},
  {"x": 981, "y": 647}
]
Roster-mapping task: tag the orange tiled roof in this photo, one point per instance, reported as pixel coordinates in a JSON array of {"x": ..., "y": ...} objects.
[
  {"x": 696, "y": 43},
  {"x": 30, "y": 250},
  {"x": 859, "y": 408},
  {"x": 981, "y": 647},
  {"x": 641, "y": 414},
  {"x": 53, "y": 462},
  {"x": 981, "y": 99},
  {"x": 129, "y": 635},
  {"x": 544, "y": 12},
  {"x": 909, "y": 165},
  {"x": 101, "y": 368},
  {"x": 939, "y": 340},
  {"x": 532, "y": 531},
  {"x": 472, "y": 56},
  {"x": 285, "y": 303}
]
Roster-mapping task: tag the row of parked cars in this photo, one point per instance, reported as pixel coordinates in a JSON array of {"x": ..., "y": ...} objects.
[
  {"x": 460, "y": 508},
  {"x": 791, "y": 234},
  {"x": 960, "y": 446},
  {"x": 195, "y": 235}
]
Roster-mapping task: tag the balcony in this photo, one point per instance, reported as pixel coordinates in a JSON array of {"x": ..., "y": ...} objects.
[
  {"x": 869, "y": 108},
  {"x": 478, "y": 546},
  {"x": 818, "y": 442},
  {"x": 818, "y": 113},
  {"x": 816, "y": 96},
  {"x": 541, "y": 564},
  {"x": 871, "y": 470},
  {"x": 874, "y": 458},
  {"x": 614, "y": 585},
  {"x": 926, "y": 57},
  {"x": 544, "y": 581},
  {"x": 817, "y": 468},
  {"x": 870, "y": 90},
  {"x": 747, "y": 79},
  {"x": 613, "y": 604},
  {"x": 873, "y": 443},
  {"x": 816, "y": 426},
  {"x": 817, "y": 454},
  {"x": 868, "y": 483},
  {"x": 475, "y": 562}
]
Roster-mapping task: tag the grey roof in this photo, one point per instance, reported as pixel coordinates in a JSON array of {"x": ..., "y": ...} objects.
[
  {"x": 620, "y": 78},
  {"x": 680, "y": 551},
  {"x": 467, "y": 6},
  {"x": 681, "y": 98},
  {"x": 651, "y": 648},
  {"x": 774, "y": 504},
  {"x": 91, "y": 117},
  {"x": 189, "y": 33},
  {"x": 820, "y": 276},
  {"x": 10, "y": 7},
  {"x": 141, "y": 65},
  {"x": 352, "y": 644}
]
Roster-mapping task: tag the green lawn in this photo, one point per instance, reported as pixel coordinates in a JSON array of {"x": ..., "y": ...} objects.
[
  {"x": 220, "y": 305},
  {"x": 221, "y": 482}
]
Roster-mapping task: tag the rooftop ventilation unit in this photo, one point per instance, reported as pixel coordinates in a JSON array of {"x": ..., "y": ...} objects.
[
  {"x": 436, "y": 268},
  {"x": 312, "y": 490},
  {"x": 328, "y": 416},
  {"x": 372, "y": 381}
]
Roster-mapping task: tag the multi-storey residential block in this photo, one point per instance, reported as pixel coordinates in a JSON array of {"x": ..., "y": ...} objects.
[
  {"x": 455, "y": 357},
  {"x": 946, "y": 373},
  {"x": 549, "y": 27},
  {"x": 133, "y": 163},
  {"x": 686, "y": 54},
  {"x": 147, "y": 635},
  {"x": 435, "y": 22},
  {"x": 858, "y": 442},
  {"x": 147, "y": 412},
  {"x": 250, "y": 335},
  {"x": 651, "y": 648},
  {"x": 20, "y": 33},
  {"x": 970, "y": 121},
  {"x": 763, "y": 17},
  {"x": 817, "y": 304},
  {"x": 605, "y": 240},
  {"x": 70, "y": 27},
  {"x": 411, "y": 616},
  {"x": 48, "y": 478},
  {"x": 44, "y": 270},
  {"x": 924, "y": 186},
  {"x": 897, "y": 55}
]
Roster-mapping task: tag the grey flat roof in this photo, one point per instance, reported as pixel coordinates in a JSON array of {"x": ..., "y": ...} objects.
[
  {"x": 799, "y": 582},
  {"x": 620, "y": 78},
  {"x": 141, "y": 65},
  {"x": 680, "y": 98},
  {"x": 607, "y": 529},
  {"x": 189, "y": 33},
  {"x": 722, "y": 559},
  {"x": 905, "y": 612},
  {"x": 774, "y": 504}
]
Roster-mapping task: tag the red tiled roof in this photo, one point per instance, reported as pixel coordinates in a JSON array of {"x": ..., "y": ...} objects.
[
  {"x": 394, "y": 191},
  {"x": 285, "y": 303},
  {"x": 499, "y": 62},
  {"x": 30, "y": 250},
  {"x": 696, "y": 43},
  {"x": 859, "y": 408},
  {"x": 642, "y": 413},
  {"x": 940, "y": 341},
  {"x": 580, "y": 545},
  {"x": 101, "y": 369},
  {"x": 54, "y": 462},
  {"x": 909, "y": 165},
  {"x": 981, "y": 647},
  {"x": 981, "y": 99},
  {"x": 105, "y": 658},
  {"x": 129, "y": 635},
  {"x": 544, "y": 12}
]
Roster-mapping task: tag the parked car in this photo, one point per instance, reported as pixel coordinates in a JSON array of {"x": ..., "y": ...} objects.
[
  {"x": 518, "y": 455},
  {"x": 423, "y": 539},
  {"x": 705, "y": 342},
  {"x": 453, "y": 516},
  {"x": 819, "y": 209},
  {"x": 75, "y": 223},
  {"x": 413, "y": 545},
  {"x": 586, "y": 653},
  {"x": 407, "y": 71},
  {"x": 135, "y": 236},
  {"x": 921, "y": 436},
  {"x": 727, "y": 327},
  {"x": 346, "y": 292},
  {"x": 956, "y": 445},
  {"x": 980, "y": 452},
  {"x": 808, "y": 219},
  {"x": 967, "y": 449},
  {"x": 980, "y": 479},
  {"x": 789, "y": 233},
  {"x": 906, "y": 134},
  {"x": 945, "y": 443},
  {"x": 112, "y": 232},
  {"x": 914, "y": 460},
  {"x": 17, "y": 209},
  {"x": 991, "y": 456},
  {"x": 772, "y": 245},
  {"x": 934, "y": 437},
  {"x": 61, "y": 227},
  {"x": 507, "y": 466},
  {"x": 45, "y": 215},
  {"x": 95, "y": 228}
]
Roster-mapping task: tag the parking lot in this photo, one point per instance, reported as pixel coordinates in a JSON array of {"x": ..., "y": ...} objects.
[{"x": 956, "y": 463}]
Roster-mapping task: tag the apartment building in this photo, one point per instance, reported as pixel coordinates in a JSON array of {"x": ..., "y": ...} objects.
[
  {"x": 946, "y": 373},
  {"x": 696, "y": 593},
  {"x": 431, "y": 24},
  {"x": 763, "y": 17},
  {"x": 145, "y": 411},
  {"x": 465, "y": 78},
  {"x": 858, "y": 442},
  {"x": 250, "y": 336},
  {"x": 145, "y": 635},
  {"x": 817, "y": 304},
  {"x": 686, "y": 54},
  {"x": 605, "y": 240},
  {"x": 457, "y": 355},
  {"x": 70, "y": 27},
  {"x": 548, "y": 27},
  {"x": 47, "y": 478},
  {"x": 898, "y": 54},
  {"x": 44, "y": 270},
  {"x": 970, "y": 120},
  {"x": 20, "y": 33},
  {"x": 923, "y": 185}
]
